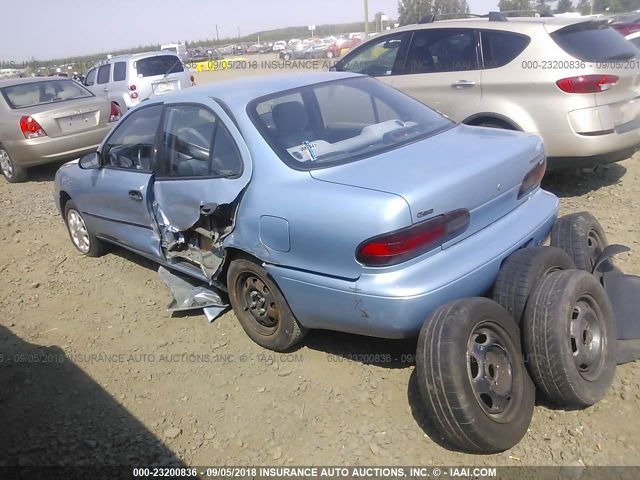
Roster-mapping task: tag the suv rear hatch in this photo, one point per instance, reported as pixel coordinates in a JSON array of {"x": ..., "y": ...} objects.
[
  {"x": 474, "y": 168},
  {"x": 162, "y": 74},
  {"x": 605, "y": 51}
]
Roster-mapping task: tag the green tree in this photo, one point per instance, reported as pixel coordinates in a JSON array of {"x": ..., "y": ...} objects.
[
  {"x": 411, "y": 11},
  {"x": 542, "y": 8},
  {"x": 564, "y": 6},
  {"x": 584, "y": 7},
  {"x": 511, "y": 5}
]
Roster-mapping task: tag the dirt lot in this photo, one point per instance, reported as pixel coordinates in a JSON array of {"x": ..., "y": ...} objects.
[{"x": 93, "y": 369}]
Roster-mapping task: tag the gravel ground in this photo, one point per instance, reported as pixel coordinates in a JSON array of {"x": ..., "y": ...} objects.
[{"x": 93, "y": 369}]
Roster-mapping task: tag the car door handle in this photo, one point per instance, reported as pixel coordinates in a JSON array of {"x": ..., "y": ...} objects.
[
  {"x": 135, "y": 195},
  {"x": 463, "y": 84}
]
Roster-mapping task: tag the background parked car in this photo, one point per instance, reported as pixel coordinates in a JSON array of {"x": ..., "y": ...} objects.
[
  {"x": 129, "y": 79},
  {"x": 280, "y": 45},
  {"x": 562, "y": 78},
  {"x": 626, "y": 24},
  {"x": 634, "y": 38},
  {"x": 49, "y": 120}
]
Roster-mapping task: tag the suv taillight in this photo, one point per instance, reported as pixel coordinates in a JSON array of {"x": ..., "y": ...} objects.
[
  {"x": 115, "y": 113},
  {"x": 30, "y": 128},
  {"x": 587, "y": 83},
  {"x": 402, "y": 245},
  {"x": 533, "y": 178}
]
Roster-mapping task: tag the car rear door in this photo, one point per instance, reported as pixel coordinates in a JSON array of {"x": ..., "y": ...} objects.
[
  {"x": 442, "y": 70},
  {"x": 202, "y": 163}
]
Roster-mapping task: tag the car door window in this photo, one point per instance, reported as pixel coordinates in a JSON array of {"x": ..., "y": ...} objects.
[
  {"x": 378, "y": 58},
  {"x": 119, "y": 71},
  {"x": 103, "y": 74},
  {"x": 132, "y": 144},
  {"x": 442, "y": 50},
  {"x": 90, "y": 79},
  {"x": 197, "y": 144},
  {"x": 499, "y": 48}
]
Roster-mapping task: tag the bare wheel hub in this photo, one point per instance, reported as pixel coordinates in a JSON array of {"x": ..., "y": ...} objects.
[
  {"x": 586, "y": 338},
  {"x": 259, "y": 301}
]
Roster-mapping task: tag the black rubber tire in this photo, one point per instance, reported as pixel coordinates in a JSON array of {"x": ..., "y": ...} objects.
[
  {"x": 287, "y": 331},
  {"x": 444, "y": 378},
  {"x": 16, "y": 174},
  {"x": 97, "y": 247},
  {"x": 550, "y": 346},
  {"x": 520, "y": 273},
  {"x": 582, "y": 237}
]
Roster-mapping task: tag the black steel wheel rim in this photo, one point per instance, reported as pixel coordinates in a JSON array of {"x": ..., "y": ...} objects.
[
  {"x": 595, "y": 245},
  {"x": 490, "y": 367},
  {"x": 587, "y": 338},
  {"x": 258, "y": 303}
]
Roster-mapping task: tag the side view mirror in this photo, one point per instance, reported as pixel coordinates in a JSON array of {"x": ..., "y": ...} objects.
[
  {"x": 337, "y": 67},
  {"x": 90, "y": 161}
]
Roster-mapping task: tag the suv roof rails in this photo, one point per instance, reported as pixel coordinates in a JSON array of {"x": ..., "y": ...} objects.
[{"x": 492, "y": 16}]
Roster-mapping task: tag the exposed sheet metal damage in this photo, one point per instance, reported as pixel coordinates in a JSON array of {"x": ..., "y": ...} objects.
[{"x": 201, "y": 246}]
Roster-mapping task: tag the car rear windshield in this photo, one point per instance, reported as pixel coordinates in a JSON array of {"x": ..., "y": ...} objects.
[
  {"x": 159, "y": 65},
  {"x": 341, "y": 121},
  {"x": 25, "y": 95},
  {"x": 593, "y": 42}
]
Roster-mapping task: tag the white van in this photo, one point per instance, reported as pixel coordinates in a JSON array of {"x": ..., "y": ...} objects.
[{"x": 128, "y": 80}]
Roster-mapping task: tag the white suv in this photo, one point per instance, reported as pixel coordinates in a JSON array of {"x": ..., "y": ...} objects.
[
  {"x": 573, "y": 81},
  {"x": 128, "y": 80}
]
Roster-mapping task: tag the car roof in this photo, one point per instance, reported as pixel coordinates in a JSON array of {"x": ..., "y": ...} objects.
[
  {"x": 17, "y": 81},
  {"x": 513, "y": 24},
  {"x": 136, "y": 56},
  {"x": 239, "y": 93}
]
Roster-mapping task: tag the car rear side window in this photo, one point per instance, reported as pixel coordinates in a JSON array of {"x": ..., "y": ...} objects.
[
  {"x": 40, "y": 93},
  {"x": 158, "y": 65},
  {"x": 103, "y": 74},
  {"x": 119, "y": 71},
  {"x": 499, "y": 48},
  {"x": 197, "y": 144},
  {"x": 442, "y": 50},
  {"x": 594, "y": 42}
]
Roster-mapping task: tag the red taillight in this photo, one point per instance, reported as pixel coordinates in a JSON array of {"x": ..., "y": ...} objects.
[
  {"x": 533, "y": 178},
  {"x": 115, "y": 113},
  {"x": 403, "y": 245},
  {"x": 30, "y": 128},
  {"x": 587, "y": 83},
  {"x": 133, "y": 93},
  {"x": 193, "y": 80}
]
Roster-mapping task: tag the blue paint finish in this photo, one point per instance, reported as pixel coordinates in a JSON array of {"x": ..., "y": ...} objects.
[
  {"x": 305, "y": 226},
  {"x": 274, "y": 233}
]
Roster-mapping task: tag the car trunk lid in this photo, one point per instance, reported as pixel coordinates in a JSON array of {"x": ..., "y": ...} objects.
[
  {"x": 473, "y": 168},
  {"x": 72, "y": 116}
]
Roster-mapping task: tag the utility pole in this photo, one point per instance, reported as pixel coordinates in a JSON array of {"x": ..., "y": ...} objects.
[
  {"x": 217, "y": 33},
  {"x": 366, "y": 19}
]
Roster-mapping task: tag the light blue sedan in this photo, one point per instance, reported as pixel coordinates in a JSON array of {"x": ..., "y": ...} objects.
[{"x": 317, "y": 201}]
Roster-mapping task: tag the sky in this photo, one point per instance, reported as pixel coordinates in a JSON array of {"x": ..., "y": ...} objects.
[{"x": 45, "y": 29}]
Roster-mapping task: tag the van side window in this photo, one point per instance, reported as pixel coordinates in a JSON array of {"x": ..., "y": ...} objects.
[
  {"x": 90, "y": 79},
  {"x": 103, "y": 74},
  {"x": 119, "y": 71}
]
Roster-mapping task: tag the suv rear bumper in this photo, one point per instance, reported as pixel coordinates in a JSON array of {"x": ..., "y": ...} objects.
[{"x": 395, "y": 304}]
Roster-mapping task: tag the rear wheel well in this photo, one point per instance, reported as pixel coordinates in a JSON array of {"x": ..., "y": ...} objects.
[
  {"x": 231, "y": 255},
  {"x": 495, "y": 121}
]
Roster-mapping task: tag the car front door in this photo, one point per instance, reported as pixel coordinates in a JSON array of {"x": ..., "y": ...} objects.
[
  {"x": 117, "y": 203},
  {"x": 203, "y": 166},
  {"x": 442, "y": 70},
  {"x": 381, "y": 58}
]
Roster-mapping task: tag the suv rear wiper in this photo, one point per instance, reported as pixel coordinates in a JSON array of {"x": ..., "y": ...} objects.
[
  {"x": 163, "y": 77},
  {"x": 622, "y": 56}
]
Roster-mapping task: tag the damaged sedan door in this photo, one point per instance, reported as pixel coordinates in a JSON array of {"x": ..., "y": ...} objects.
[{"x": 203, "y": 166}]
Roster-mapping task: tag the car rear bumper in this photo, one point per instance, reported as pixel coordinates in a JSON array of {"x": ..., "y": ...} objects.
[
  {"x": 38, "y": 151},
  {"x": 395, "y": 304}
]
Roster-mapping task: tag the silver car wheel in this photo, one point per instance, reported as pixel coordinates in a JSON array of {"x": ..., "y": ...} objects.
[
  {"x": 78, "y": 231},
  {"x": 5, "y": 164}
]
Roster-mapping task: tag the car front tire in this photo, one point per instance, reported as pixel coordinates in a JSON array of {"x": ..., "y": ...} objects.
[
  {"x": 84, "y": 241},
  {"x": 261, "y": 308},
  {"x": 12, "y": 172}
]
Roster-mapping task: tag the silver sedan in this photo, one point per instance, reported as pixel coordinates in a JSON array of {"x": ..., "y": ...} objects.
[{"x": 45, "y": 120}]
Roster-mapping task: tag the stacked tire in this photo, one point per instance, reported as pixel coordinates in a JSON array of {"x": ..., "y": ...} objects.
[{"x": 550, "y": 327}]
